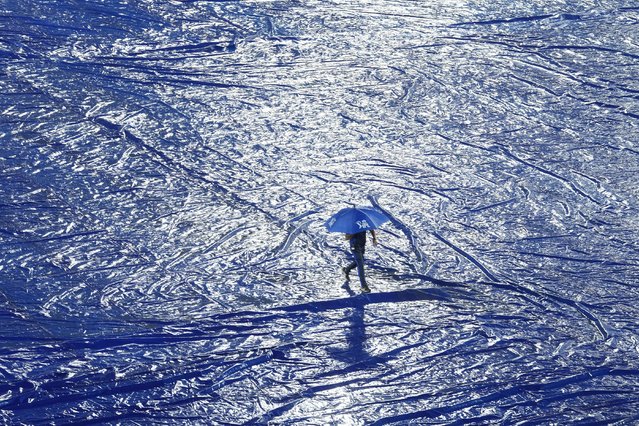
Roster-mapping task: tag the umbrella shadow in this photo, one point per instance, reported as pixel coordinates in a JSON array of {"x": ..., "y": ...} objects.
[
  {"x": 354, "y": 308},
  {"x": 399, "y": 296}
]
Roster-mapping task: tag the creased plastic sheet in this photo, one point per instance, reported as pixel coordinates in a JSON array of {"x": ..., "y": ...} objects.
[{"x": 166, "y": 168}]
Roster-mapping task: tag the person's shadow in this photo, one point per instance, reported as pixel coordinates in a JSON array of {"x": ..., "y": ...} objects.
[
  {"x": 347, "y": 286},
  {"x": 356, "y": 330}
]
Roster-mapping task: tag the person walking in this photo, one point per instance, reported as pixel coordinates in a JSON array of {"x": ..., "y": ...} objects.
[
  {"x": 358, "y": 248},
  {"x": 355, "y": 222}
]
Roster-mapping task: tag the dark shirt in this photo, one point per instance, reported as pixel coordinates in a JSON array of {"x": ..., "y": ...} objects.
[{"x": 358, "y": 242}]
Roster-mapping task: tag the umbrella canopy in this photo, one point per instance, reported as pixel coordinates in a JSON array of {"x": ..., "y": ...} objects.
[{"x": 352, "y": 220}]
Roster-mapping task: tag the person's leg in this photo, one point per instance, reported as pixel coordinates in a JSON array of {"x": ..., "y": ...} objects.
[
  {"x": 350, "y": 267},
  {"x": 347, "y": 270},
  {"x": 359, "y": 260}
]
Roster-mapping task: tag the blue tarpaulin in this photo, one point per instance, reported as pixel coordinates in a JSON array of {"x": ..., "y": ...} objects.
[{"x": 166, "y": 169}]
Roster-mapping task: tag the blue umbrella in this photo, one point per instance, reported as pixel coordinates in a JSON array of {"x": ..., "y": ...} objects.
[{"x": 352, "y": 220}]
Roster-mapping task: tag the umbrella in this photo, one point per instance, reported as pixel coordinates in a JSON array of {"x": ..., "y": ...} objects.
[{"x": 352, "y": 220}]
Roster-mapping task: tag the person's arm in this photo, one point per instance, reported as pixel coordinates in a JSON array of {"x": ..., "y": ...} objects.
[{"x": 374, "y": 237}]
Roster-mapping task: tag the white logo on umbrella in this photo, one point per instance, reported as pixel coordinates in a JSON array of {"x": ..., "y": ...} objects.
[{"x": 362, "y": 224}]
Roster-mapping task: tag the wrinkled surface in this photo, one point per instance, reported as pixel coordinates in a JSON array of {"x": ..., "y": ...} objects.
[{"x": 166, "y": 168}]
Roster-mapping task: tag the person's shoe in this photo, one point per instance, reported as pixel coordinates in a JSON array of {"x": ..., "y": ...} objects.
[
  {"x": 365, "y": 289},
  {"x": 346, "y": 276}
]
